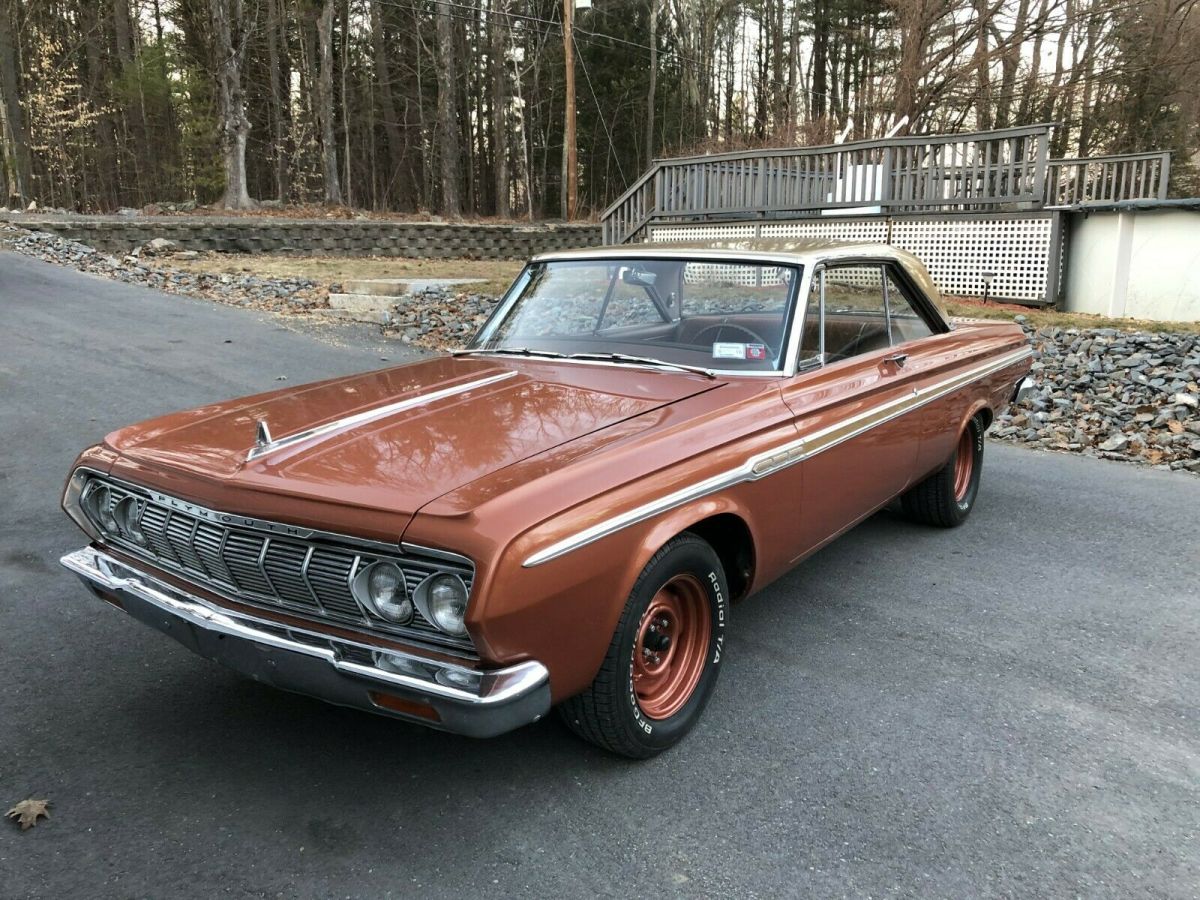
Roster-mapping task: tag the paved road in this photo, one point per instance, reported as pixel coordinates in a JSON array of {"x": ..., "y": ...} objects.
[{"x": 1008, "y": 709}]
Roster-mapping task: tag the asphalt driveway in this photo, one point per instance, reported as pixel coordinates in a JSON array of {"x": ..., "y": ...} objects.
[{"x": 1008, "y": 709}]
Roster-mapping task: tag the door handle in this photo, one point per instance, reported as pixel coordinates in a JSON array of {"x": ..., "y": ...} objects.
[{"x": 898, "y": 358}]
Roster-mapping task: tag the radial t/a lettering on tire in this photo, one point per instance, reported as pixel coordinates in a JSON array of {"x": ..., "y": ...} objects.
[{"x": 664, "y": 658}]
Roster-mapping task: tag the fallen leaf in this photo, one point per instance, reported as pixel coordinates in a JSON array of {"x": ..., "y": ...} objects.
[{"x": 27, "y": 812}]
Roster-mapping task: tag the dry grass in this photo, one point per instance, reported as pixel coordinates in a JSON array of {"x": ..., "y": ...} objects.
[
  {"x": 497, "y": 274},
  {"x": 960, "y": 306}
]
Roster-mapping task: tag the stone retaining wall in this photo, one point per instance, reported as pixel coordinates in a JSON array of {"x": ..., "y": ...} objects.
[{"x": 306, "y": 237}]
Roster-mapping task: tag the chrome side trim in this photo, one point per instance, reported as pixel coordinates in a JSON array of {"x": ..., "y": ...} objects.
[
  {"x": 261, "y": 450},
  {"x": 487, "y": 687},
  {"x": 777, "y": 459}
]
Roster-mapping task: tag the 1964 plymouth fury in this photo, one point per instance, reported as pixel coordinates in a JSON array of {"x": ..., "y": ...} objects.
[{"x": 562, "y": 513}]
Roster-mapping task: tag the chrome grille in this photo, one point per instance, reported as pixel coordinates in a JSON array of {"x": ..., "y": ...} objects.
[{"x": 305, "y": 576}]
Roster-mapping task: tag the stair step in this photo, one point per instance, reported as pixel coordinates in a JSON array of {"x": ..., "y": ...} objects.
[{"x": 392, "y": 287}]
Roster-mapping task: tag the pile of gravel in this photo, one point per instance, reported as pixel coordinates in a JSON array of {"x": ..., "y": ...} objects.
[
  {"x": 1113, "y": 394},
  {"x": 439, "y": 319},
  {"x": 150, "y": 266}
]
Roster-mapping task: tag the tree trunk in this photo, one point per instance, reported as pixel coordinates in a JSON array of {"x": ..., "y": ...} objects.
[
  {"x": 106, "y": 194},
  {"x": 983, "y": 102},
  {"x": 500, "y": 101},
  {"x": 333, "y": 186},
  {"x": 123, "y": 31},
  {"x": 231, "y": 101},
  {"x": 911, "y": 17},
  {"x": 449, "y": 150},
  {"x": 396, "y": 183},
  {"x": 279, "y": 74},
  {"x": 12, "y": 129},
  {"x": 820, "y": 57}
]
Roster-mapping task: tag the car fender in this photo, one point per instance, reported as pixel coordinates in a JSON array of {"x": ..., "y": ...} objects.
[{"x": 682, "y": 519}]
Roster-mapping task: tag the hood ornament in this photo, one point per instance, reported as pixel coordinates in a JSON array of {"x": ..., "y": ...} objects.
[{"x": 262, "y": 434}]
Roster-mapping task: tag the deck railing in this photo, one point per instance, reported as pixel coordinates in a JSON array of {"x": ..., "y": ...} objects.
[
  {"x": 1006, "y": 169},
  {"x": 1099, "y": 179}
]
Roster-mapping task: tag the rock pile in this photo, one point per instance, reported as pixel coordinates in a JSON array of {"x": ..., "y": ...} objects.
[
  {"x": 439, "y": 319},
  {"x": 149, "y": 265},
  {"x": 1113, "y": 394}
]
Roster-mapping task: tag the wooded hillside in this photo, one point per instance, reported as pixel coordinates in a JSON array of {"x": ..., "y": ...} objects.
[{"x": 457, "y": 106}]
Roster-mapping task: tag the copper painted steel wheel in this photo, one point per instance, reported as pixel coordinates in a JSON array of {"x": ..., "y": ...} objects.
[
  {"x": 964, "y": 464},
  {"x": 671, "y": 648}
]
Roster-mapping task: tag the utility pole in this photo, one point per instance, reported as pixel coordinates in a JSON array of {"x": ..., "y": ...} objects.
[
  {"x": 650, "y": 98},
  {"x": 570, "y": 161}
]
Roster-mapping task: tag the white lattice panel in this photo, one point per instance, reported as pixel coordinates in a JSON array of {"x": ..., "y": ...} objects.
[
  {"x": 703, "y": 232},
  {"x": 872, "y": 231},
  {"x": 959, "y": 251},
  {"x": 721, "y": 273}
]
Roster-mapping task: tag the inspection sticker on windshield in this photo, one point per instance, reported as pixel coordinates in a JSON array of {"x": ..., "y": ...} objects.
[{"x": 739, "y": 351}]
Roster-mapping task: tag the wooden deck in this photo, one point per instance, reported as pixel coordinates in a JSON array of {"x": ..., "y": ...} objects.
[{"x": 996, "y": 171}]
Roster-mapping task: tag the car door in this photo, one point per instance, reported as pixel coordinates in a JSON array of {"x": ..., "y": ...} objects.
[{"x": 853, "y": 400}]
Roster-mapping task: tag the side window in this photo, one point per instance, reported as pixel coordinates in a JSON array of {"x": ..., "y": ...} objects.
[
  {"x": 810, "y": 336},
  {"x": 906, "y": 324},
  {"x": 855, "y": 311}
]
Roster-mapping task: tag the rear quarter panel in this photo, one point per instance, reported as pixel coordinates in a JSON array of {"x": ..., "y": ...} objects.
[{"x": 970, "y": 345}]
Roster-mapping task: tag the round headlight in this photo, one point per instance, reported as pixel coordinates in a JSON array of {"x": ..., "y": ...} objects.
[
  {"x": 446, "y": 600},
  {"x": 126, "y": 515},
  {"x": 101, "y": 506},
  {"x": 386, "y": 592}
]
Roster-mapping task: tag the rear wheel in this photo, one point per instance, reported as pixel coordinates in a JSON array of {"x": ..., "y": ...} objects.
[
  {"x": 947, "y": 496},
  {"x": 662, "y": 663}
]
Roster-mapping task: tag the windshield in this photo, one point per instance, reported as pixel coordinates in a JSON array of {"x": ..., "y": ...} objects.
[{"x": 715, "y": 315}]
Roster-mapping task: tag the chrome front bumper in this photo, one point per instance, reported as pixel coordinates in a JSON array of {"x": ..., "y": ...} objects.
[{"x": 432, "y": 692}]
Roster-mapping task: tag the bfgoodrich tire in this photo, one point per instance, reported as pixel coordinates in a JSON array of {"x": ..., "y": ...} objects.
[
  {"x": 664, "y": 658},
  {"x": 947, "y": 496}
]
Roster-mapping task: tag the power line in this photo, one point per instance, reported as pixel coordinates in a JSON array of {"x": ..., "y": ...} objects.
[{"x": 600, "y": 115}]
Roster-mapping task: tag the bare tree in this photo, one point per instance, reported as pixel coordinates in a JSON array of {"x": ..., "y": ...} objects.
[
  {"x": 227, "y": 20},
  {"x": 333, "y": 186},
  {"x": 394, "y": 134},
  {"x": 13, "y": 133},
  {"x": 500, "y": 100},
  {"x": 449, "y": 150}
]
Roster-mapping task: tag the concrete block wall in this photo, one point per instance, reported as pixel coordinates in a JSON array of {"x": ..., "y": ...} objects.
[{"x": 304, "y": 237}]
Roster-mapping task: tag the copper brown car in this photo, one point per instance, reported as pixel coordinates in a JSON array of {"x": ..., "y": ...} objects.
[{"x": 561, "y": 514}]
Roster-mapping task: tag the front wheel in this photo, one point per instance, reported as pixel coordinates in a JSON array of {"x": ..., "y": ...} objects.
[
  {"x": 947, "y": 496},
  {"x": 663, "y": 660}
]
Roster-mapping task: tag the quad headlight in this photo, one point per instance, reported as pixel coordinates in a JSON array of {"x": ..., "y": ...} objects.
[
  {"x": 380, "y": 586},
  {"x": 442, "y": 599},
  {"x": 99, "y": 505},
  {"x": 127, "y": 515}
]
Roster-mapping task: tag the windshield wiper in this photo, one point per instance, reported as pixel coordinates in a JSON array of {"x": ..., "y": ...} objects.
[
  {"x": 643, "y": 360},
  {"x": 512, "y": 351},
  {"x": 603, "y": 357}
]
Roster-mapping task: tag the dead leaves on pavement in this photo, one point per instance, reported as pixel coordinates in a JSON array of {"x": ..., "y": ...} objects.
[{"x": 27, "y": 812}]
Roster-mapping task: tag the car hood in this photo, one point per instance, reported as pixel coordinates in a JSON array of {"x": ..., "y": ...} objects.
[{"x": 396, "y": 439}]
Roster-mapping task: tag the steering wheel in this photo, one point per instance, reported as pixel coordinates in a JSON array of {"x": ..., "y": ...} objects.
[{"x": 755, "y": 338}]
